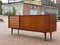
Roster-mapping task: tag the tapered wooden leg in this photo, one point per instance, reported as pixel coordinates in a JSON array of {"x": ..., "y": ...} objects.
[
  {"x": 18, "y": 31},
  {"x": 50, "y": 35},
  {"x": 11, "y": 31},
  {"x": 45, "y": 36}
]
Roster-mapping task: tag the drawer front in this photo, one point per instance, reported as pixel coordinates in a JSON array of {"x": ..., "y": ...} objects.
[{"x": 14, "y": 21}]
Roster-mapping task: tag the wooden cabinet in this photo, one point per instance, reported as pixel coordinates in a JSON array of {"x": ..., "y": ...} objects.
[{"x": 38, "y": 23}]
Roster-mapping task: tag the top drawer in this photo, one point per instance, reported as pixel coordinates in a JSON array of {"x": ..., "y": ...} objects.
[{"x": 14, "y": 18}]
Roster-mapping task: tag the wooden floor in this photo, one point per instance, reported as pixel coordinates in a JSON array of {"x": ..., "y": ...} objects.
[{"x": 25, "y": 37}]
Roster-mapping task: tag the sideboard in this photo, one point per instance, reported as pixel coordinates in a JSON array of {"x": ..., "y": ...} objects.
[{"x": 37, "y": 23}]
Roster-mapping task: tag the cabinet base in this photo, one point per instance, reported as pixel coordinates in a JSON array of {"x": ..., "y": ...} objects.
[{"x": 44, "y": 34}]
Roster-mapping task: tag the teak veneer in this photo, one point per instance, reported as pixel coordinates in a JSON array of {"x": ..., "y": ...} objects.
[{"x": 37, "y": 23}]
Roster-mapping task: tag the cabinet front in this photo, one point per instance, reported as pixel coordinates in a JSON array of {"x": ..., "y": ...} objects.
[
  {"x": 13, "y": 21},
  {"x": 33, "y": 23},
  {"x": 28, "y": 23}
]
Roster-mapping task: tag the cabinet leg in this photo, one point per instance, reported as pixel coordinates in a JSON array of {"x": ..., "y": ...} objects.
[
  {"x": 18, "y": 31},
  {"x": 11, "y": 31},
  {"x": 45, "y": 36},
  {"x": 50, "y": 35}
]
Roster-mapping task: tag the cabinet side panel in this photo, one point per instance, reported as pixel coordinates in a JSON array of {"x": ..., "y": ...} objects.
[
  {"x": 8, "y": 21},
  {"x": 52, "y": 23}
]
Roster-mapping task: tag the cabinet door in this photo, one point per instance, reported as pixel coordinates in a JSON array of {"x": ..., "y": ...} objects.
[
  {"x": 42, "y": 23},
  {"x": 13, "y": 21},
  {"x": 25, "y": 22},
  {"x": 33, "y": 23},
  {"x": 28, "y": 23}
]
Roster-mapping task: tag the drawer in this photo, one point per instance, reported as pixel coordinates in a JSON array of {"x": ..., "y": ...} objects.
[
  {"x": 11, "y": 17},
  {"x": 13, "y": 26}
]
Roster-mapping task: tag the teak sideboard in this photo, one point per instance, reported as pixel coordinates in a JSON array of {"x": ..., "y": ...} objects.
[{"x": 37, "y": 23}]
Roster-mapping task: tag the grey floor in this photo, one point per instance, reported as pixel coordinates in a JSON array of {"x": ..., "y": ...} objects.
[{"x": 26, "y": 37}]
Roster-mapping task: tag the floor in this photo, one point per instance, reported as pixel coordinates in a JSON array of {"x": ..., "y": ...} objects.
[{"x": 26, "y": 37}]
